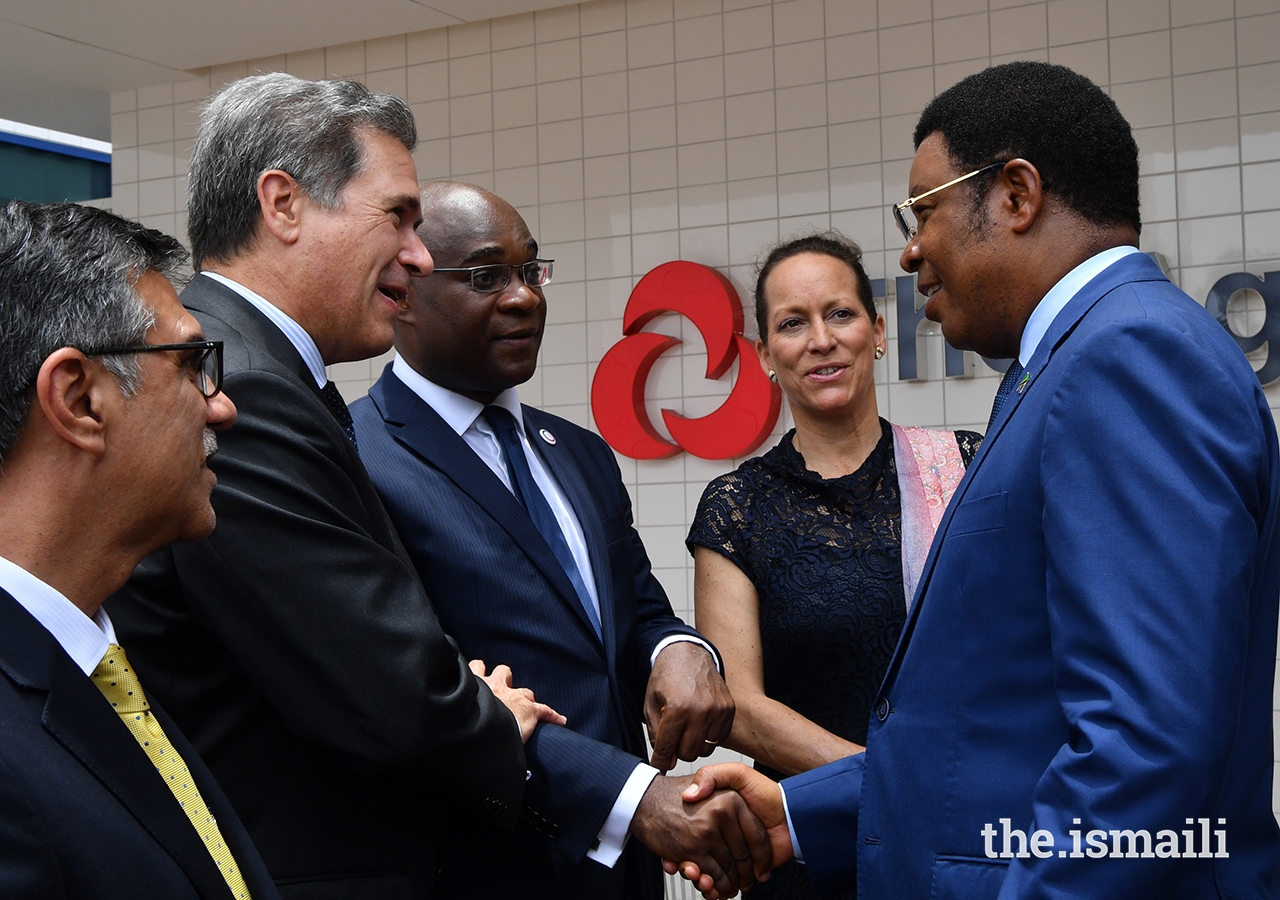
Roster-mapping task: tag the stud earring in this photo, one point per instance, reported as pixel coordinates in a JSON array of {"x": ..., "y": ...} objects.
[
  {"x": 879, "y": 352},
  {"x": 773, "y": 376}
]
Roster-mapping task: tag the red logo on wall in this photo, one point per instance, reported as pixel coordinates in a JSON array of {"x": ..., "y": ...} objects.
[{"x": 707, "y": 299}]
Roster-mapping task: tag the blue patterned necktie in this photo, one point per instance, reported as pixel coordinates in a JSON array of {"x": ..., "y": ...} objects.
[
  {"x": 1006, "y": 388},
  {"x": 529, "y": 494}
]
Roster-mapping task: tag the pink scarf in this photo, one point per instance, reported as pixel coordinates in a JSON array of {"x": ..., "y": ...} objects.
[{"x": 929, "y": 469}]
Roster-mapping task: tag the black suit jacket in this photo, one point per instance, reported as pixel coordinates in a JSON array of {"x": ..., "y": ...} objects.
[
  {"x": 83, "y": 812},
  {"x": 504, "y": 597},
  {"x": 298, "y": 649}
]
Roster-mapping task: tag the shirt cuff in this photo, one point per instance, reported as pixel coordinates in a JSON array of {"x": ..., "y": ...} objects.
[
  {"x": 677, "y": 638},
  {"x": 613, "y": 836},
  {"x": 795, "y": 844}
]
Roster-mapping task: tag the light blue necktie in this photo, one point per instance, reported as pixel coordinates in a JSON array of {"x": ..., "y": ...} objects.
[{"x": 528, "y": 493}]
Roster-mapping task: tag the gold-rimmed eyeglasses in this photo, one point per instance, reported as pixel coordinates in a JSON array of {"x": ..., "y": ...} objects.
[{"x": 911, "y": 229}]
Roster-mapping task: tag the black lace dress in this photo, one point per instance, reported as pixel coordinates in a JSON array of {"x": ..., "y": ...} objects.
[{"x": 825, "y": 557}]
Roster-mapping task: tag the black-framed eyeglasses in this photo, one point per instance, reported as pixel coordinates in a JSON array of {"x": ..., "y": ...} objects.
[
  {"x": 204, "y": 361},
  {"x": 535, "y": 273},
  {"x": 911, "y": 229}
]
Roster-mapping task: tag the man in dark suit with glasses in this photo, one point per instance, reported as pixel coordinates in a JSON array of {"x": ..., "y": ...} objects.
[
  {"x": 521, "y": 528},
  {"x": 109, "y": 397}
]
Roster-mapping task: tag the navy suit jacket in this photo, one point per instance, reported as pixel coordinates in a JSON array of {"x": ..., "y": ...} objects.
[
  {"x": 501, "y": 594},
  {"x": 1094, "y": 637},
  {"x": 299, "y": 651},
  {"x": 83, "y": 812}
]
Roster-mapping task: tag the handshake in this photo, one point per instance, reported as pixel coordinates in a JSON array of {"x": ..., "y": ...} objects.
[{"x": 724, "y": 830}]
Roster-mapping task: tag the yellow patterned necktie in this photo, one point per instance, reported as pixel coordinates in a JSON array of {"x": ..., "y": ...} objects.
[{"x": 115, "y": 678}]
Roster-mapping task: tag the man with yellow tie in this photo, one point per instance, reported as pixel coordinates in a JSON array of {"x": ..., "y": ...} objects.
[{"x": 109, "y": 395}]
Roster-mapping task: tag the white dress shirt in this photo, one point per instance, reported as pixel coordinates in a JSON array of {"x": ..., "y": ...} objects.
[
  {"x": 84, "y": 639},
  {"x": 465, "y": 417}
]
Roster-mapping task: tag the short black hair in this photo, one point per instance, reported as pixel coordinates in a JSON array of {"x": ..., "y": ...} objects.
[
  {"x": 829, "y": 243},
  {"x": 1058, "y": 120}
]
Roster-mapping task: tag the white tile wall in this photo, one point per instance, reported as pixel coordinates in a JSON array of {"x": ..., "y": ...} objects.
[{"x": 632, "y": 132}]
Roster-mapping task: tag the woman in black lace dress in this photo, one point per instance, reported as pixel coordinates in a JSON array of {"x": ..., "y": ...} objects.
[{"x": 799, "y": 554}]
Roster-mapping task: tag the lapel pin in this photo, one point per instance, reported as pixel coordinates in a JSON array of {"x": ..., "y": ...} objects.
[
  {"x": 547, "y": 436},
  {"x": 1022, "y": 385}
]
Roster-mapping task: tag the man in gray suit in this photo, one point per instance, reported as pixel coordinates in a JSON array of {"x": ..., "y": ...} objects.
[{"x": 296, "y": 646}]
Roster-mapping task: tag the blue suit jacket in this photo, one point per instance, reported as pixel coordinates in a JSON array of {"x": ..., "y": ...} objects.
[
  {"x": 1094, "y": 637},
  {"x": 502, "y": 596},
  {"x": 83, "y": 812}
]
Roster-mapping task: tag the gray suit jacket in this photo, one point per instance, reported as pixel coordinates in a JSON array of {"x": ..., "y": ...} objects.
[{"x": 298, "y": 649}]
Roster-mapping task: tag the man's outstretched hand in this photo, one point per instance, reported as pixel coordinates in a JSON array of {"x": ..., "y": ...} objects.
[
  {"x": 761, "y": 794},
  {"x": 724, "y": 841}
]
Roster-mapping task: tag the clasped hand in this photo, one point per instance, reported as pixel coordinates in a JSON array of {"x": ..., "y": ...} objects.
[
  {"x": 527, "y": 710},
  {"x": 766, "y": 842},
  {"x": 721, "y": 839}
]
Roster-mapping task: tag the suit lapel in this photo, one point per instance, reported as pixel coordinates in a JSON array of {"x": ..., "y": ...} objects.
[
  {"x": 259, "y": 339},
  {"x": 204, "y": 295},
  {"x": 420, "y": 428},
  {"x": 1128, "y": 269},
  {"x": 1135, "y": 267},
  {"x": 216, "y": 299},
  {"x": 78, "y": 717},
  {"x": 558, "y": 458}
]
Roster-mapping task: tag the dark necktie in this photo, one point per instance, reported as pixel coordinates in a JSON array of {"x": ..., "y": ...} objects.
[
  {"x": 338, "y": 406},
  {"x": 528, "y": 493},
  {"x": 1006, "y": 388}
]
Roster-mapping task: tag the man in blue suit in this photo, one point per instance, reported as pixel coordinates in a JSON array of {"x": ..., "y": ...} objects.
[
  {"x": 1080, "y": 703},
  {"x": 520, "y": 526}
]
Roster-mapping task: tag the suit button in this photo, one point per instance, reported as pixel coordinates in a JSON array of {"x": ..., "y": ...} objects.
[{"x": 882, "y": 709}]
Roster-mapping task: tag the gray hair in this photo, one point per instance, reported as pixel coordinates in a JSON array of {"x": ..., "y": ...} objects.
[
  {"x": 310, "y": 129},
  {"x": 67, "y": 279}
]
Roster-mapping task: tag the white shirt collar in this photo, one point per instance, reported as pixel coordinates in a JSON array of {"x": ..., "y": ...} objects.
[
  {"x": 297, "y": 335},
  {"x": 1060, "y": 295},
  {"x": 464, "y": 416},
  {"x": 84, "y": 639},
  {"x": 458, "y": 411}
]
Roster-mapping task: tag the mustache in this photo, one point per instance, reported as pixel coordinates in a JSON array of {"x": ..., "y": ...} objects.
[{"x": 210, "y": 442}]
